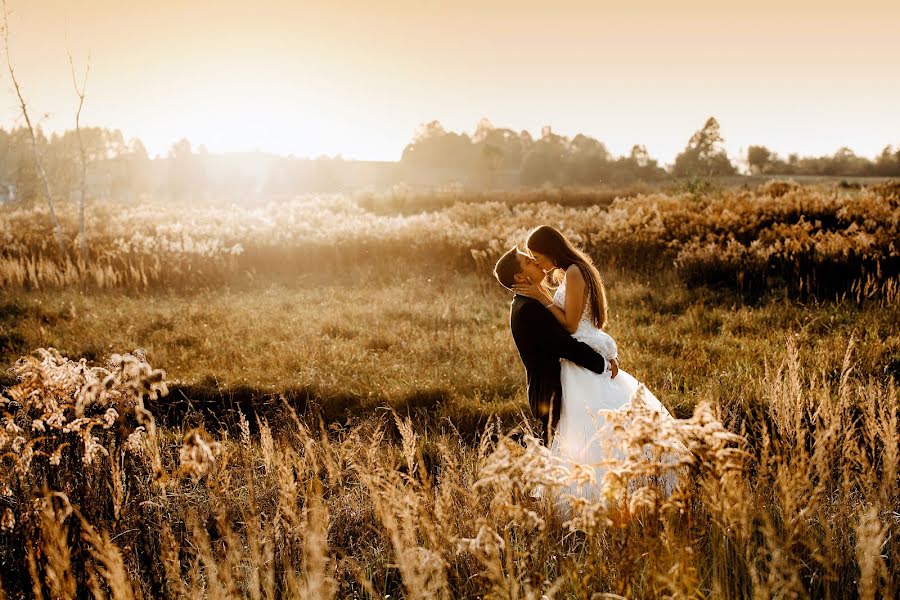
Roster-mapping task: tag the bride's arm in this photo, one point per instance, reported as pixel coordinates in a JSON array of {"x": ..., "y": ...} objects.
[
  {"x": 536, "y": 328},
  {"x": 574, "y": 307}
]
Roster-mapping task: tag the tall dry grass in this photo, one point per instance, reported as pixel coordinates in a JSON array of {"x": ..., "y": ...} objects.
[
  {"x": 811, "y": 241},
  {"x": 789, "y": 490}
]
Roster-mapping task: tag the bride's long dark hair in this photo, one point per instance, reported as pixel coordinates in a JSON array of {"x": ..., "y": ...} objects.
[{"x": 554, "y": 245}]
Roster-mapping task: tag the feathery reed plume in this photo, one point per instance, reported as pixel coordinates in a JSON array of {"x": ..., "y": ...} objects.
[
  {"x": 789, "y": 492},
  {"x": 808, "y": 240},
  {"x": 870, "y": 538},
  {"x": 54, "y": 509},
  {"x": 110, "y": 564},
  {"x": 197, "y": 455}
]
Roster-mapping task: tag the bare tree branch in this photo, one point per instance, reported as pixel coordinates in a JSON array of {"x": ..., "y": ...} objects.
[
  {"x": 57, "y": 230},
  {"x": 82, "y": 240}
]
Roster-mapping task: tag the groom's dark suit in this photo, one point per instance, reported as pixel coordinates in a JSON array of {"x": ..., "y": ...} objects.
[{"x": 541, "y": 342}]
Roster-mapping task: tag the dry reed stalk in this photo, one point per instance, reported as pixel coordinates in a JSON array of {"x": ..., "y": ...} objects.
[
  {"x": 34, "y": 573},
  {"x": 318, "y": 581},
  {"x": 408, "y": 443},
  {"x": 54, "y": 548},
  {"x": 399, "y": 502},
  {"x": 170, "y": 555},
  {"x": 750, "y": 241},
  {"x": 267, "y": 444},
  {"x": 198, "y": 455},
  {"x": 800, "y": 509},
  {"x": 870, "y": 538},
  {"x": 111, "y": 564},
  {"x": 260, "y": 543}
]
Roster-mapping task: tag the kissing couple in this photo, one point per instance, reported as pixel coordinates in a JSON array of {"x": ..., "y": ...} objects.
[{"x": 571, "y": 364}]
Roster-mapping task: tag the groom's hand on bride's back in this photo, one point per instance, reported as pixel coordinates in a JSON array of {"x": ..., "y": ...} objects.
[
  {"x": 539, "y": 328},
  {"x": 614, "y": 367}
]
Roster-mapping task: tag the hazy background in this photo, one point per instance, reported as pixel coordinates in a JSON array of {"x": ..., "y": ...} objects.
[
  {"x": 345, "y": 401},
  {"x": 358, "y": 78}
]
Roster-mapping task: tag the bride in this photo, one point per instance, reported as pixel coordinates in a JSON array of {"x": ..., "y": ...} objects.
[{"x": 579, "y": 304}]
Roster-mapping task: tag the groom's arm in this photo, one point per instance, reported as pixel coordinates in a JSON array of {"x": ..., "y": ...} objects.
[{"x": 542, "y": 329}]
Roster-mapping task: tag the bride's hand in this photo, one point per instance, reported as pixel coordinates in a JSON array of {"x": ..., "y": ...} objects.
[
  {"x": 614, "y": 367},
  {"x": 532, "y": 290}
]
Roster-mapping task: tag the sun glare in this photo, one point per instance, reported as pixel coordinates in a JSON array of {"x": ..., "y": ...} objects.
[{"x": 310, "y": 79}]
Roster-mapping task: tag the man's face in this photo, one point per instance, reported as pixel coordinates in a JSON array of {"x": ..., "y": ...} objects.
[
  {"x": 531, "y": 270},
  {"x": 543, "y": 262}
]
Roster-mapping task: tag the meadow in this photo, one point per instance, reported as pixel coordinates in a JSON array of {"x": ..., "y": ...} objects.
[{"x": 321, "y": 398}]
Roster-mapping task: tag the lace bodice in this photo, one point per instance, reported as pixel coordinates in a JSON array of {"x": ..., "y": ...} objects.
[
  {"x": 587, "y": 332},
  {"x": 559, "y": 299}
]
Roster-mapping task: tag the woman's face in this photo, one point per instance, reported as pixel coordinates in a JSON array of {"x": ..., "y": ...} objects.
[{"x": 543, "y": 262}]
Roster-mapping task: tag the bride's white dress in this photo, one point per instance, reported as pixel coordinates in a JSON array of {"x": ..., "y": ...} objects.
[{"x": 581, "y": 437}]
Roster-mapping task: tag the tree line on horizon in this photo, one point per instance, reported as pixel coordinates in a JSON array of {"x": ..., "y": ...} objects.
[
  {"x": 584, "y": 160},
  {"x": 120, "y": 169}
]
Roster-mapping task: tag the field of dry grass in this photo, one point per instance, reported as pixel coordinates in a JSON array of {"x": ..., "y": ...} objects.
[
  {"x": 817, "y": 241},
  {"x": 348, "y": 419}
]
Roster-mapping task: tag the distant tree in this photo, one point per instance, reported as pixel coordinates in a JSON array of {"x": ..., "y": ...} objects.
[
  {"x": 433, "y": 146},
  {"x": 7, "y": 189},
  {"x": 888, "y": 162},
  {"x": 546, "y": 161},
  {"x": 587, "y": 146},
  {"x": 758, "y": 157},
  {"x": 483, "y": 130},
  {"x": 511, "y": 144},
  {"x": 137, "y": 149},
  {"x": 526, "y": 139},
  {"x": 640, "y": 156},
  {"x": 637, "y": 166},
  {"x": 129, "y": 171},
  {"x": 25, "y": 178},
  {"x": 846, "y": 162},
  {"x": 589, "y": 161},
  {"x": 553, "y": 141},
  {"x": 704, "y": 155},
  {"x": 186, "y": 174},
  {"x": 539, "y": 168},
  {"x": 492, "y": 162}
]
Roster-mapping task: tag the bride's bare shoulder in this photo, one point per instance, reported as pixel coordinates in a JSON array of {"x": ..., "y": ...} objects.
[{"x": 574, "y": 274}]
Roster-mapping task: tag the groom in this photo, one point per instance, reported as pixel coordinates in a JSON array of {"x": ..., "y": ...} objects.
[{"x": 541, "y": 342}]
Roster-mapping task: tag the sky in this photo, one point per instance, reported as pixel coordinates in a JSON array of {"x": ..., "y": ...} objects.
[{"x": 357, "y": 78}]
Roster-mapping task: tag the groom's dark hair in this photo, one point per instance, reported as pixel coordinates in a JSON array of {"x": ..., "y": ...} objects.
[{"x": 508, "y": 267}]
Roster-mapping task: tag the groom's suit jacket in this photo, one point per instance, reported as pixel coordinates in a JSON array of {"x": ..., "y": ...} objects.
[{"x": 541, "y": 342}]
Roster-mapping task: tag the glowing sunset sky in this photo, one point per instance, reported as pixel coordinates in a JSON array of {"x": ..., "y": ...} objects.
[{"x": 357, "y": 78}]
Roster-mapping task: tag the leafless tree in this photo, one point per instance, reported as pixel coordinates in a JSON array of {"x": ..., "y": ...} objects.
[
  {"x": 57, "y": 230},
  {"x": 82, "y": 240}
]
